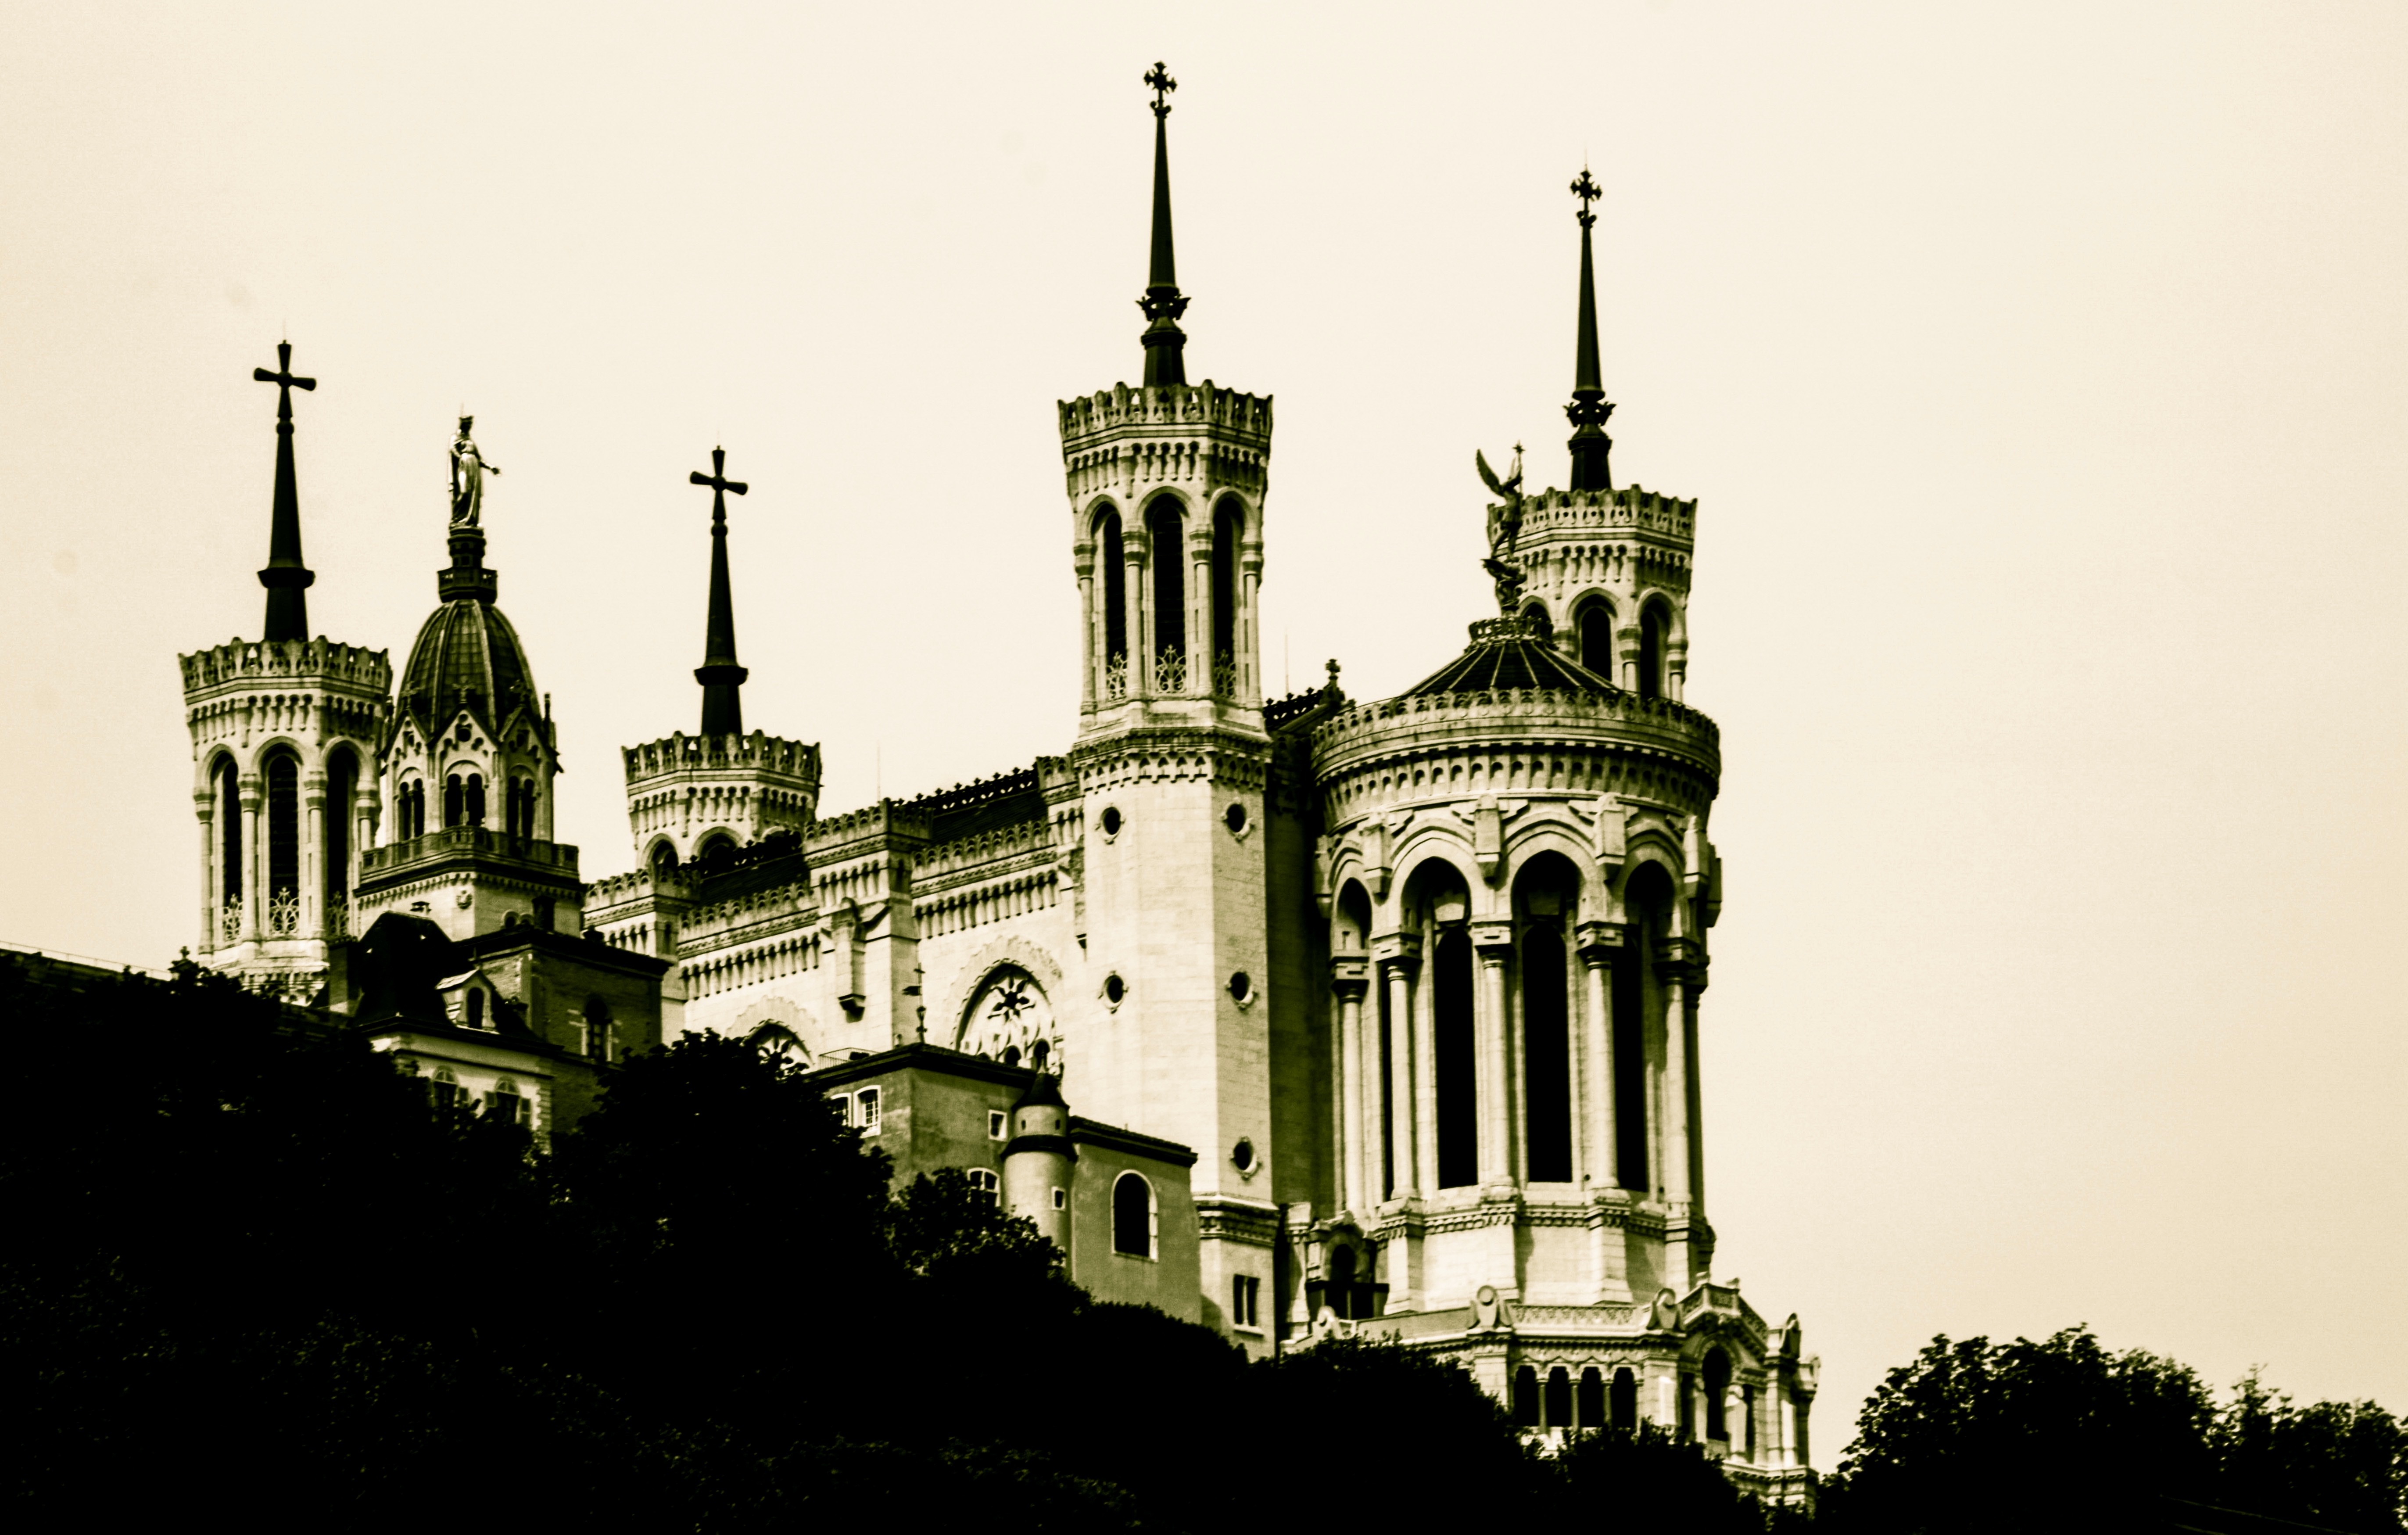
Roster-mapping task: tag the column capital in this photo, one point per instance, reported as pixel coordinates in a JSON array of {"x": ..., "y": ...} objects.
[
  {"x": 205, "y": 804},
  {"x": 1683, "y": 959},
  {"x": 248, "y": 790},
  {"x": 1349, "y": 977},
  {"x": 1601, "y": 942},
  {"x": 1494, "y": 939},
  {"x": 1402, "y": 951}
]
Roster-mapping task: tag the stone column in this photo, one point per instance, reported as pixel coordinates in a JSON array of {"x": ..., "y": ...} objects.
[
  {"x": 1599, "y": 944},
  {"x": 1495, "y": 941},
  {"x": 313, "y": 854},
  {"x": 1347, "y": 980},
  {"x": 1676, "y": 668},
  {"x": 1678, "y": 1066},
  {"x": 253, "y": 919},
  {"x": 1082, "y": 561},
  {"x": 1626, "y": 647},
  {"x": 205, "y": 805},
  {"x": 1404, "y": 1068},
  {"x": 1250, "y": 650},
  {"x": 1201, "y": 655},
  {"x": 1140, "y": 633},
  {"x": 1426, "y": 1087}
]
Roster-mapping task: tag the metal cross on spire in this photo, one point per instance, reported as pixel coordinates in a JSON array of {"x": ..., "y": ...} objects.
[
  {"x": 285, "y": 382},
  {"x": 1585, "y": 190},
  {"x": 1163, "y": 85},
  {"x": 719, "y": 484}
]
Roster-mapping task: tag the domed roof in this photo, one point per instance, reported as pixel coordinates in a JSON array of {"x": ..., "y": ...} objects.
[
  {"x": 1508, "y": 654},
  {"x": 466, "y": 657}
]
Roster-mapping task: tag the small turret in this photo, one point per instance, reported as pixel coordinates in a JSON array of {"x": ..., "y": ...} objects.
[{"x": 1039, "y": 1158}]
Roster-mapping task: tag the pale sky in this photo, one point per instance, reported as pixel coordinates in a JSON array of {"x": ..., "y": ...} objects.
[{"x": 2041, "y": 371}]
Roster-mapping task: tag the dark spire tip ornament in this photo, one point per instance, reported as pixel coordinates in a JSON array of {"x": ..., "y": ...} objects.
[
  {"x": 1162, "y": 303},
  {"x": 1159, "y": 80},
  {"x": 286, "y": 578},
  {"x": 723, "y": 707}
]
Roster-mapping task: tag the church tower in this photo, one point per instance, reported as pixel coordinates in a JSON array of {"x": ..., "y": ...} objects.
[
  {"x": 283, "y": 742},
  {"x": 1166, "y": 483},
  {"x": 468, "y": 759}
]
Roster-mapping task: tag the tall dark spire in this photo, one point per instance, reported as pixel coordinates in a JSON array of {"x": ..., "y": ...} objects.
[
  {"x": 1589, "y": 407},
  {"x": 1163, "y": 302},
  {"x": 722, "y": 710},
  {"x": 286, "y": 578}
]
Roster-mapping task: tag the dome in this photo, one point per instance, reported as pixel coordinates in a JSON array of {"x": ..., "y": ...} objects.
[
  {"x": 1507, "y": 654},
  {"x": 466, "y": 657}
]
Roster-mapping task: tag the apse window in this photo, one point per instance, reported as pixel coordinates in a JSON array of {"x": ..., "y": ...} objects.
[
  {"x": 985, "y": 1185},
  {"x": 996, "y": 1122}
]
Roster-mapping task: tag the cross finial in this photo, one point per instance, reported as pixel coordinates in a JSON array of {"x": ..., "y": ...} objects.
[
  {"x": 284, "y": 380},
  {"x": 1163, "y": 85},
  {"x": 1585, "y": 190},
  {"x": 719, "y": 484}
]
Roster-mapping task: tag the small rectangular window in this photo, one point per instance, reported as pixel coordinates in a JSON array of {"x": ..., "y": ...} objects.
[
  {"x": 984, "y": 1183},
  {"x": 843, "y": 1103},
  {"x": 1061, "y": 1199},
  {"x": 1245, "y": 1303},
  {"x": 865, "y": 1105},
  {"x": 996, "y": 1122}
]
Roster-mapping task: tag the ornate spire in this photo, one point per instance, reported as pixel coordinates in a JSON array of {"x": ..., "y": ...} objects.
[
  {"x": 722, "y": 710},
  {"x": 1163, "y": 303},
  {"x": 286, "y": 578},
  {"x": 1589, "y": 407}
]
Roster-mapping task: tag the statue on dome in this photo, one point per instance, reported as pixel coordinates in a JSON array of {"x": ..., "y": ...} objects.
[
  {"x": 468, "y": 471},
  {"x": 1504, "y": 531}
]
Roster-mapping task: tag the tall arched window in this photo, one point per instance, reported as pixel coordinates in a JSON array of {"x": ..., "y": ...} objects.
[
  {"x": 1458, "y": 1061},
  {"x": 1626, "y": 1402},
  {"x": 1112, "y": 556},
  {"x": 1559, "y": 1397},
  {"x": 1654, "y": 622},
  {"x": 283, "y": 868},
  {"x": 1716, "y": 1381},
  {"x": 1589, "y": 1408},
  {"x": 1595, "y": 620},
  {"x": 1647, "y": 899},
  {"x": 476, "y": 799},
  {"x": 342, "y": 781},
  {"x": 410, "y": 812},
  {"x": 1525, "y": 1397},
  {"x": 1228, "y": 531},
  {"x": 1546, "y": 1055},
  {"x": 1342, "y": 1282},
  {"x": 1133, "y": 1216},
  {"x": 1166, "y": 544},
  {"x": 476, "y": 1006},
  {"x": 455, "y": 801},
  {"x": 597, "y": 1028},
  {"x": 229, "y": 812}
]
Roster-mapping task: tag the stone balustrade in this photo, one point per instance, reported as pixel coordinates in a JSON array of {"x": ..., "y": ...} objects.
[
  {"x": 245, "y": 660},
  {"x": 1362, "y": 731},
  {"x": 395, "y": 856},
  {"x": 1166, "y": 404},
  {"x": 681, "y": 752}
]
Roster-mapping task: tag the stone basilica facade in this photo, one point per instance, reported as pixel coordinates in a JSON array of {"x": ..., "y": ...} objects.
[{"x": 1391, "y": 1005}]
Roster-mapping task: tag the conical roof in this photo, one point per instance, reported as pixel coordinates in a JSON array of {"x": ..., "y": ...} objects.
[{"x": 1508, "y": 654}]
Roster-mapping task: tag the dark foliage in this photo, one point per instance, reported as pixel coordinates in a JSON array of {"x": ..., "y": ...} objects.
[{"x": 1657, "y": 1482}]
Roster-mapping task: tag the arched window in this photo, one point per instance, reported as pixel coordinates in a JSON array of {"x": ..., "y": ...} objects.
[
  {"x": 455, "y": 802},
  {"x": 1594, "y": 622},
  {"x": 444, "y": 1090},
  {"x": 1525, "y": 1397},
  {"x": 1545, "y": 891},
  {"x": 1717, "y": 1373},
  {"x": 342, "y": 782},
  {"x": 518, "y": 809},
  {"x": 1647, "y": 899},
  {"x": 476, "y": 799},
  {"x": 508, "y": 1104},
  {"x": 1342, "y": 1281},
  {"x": 779, "y": 1044},
  {"x": 665, "y": 858},
  {"x": 1458, "y": 1061},
  {"x": 283, "y": 868},
  {"x": 1112, "y": 556},
  {"x": 715, "y": 848},
  {"x": 1536, "y": 617},
  {"x": 1559, "y": 1397},
  {"x": 1654, "y": 623},
  {"x": 476, "y": 1006},
  {"x": 229, "y": 813},
  {"x": 1590, "y": 1408},
  {"x": 1166, "y": 543},
  {"x": 1626, "y": 1402},
  {"x": 1133, "y": 1216},
  {"x": 1228, "y": 531},
  {"x": 410, "y": 814}
]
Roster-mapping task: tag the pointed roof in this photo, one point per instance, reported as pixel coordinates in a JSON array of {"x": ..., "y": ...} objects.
[
  {"x": 1165, "y": 342},
  {"x": 1044, "y": 1092},
  {"x": 1506, "y": 654},
  {"x": 1589, "y": 407},
  {"x": 286, "y": 578}
]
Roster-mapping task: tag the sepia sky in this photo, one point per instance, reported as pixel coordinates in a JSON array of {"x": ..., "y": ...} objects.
[{"x": 2041, "y": 370}]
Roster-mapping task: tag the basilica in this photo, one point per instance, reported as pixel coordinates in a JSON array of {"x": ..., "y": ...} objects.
[{"x": 1380, "y": 1016}]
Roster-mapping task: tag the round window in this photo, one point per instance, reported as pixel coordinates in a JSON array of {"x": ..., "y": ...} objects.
[
  {"x": 1114, "y": 989},
  {"x": 1111, "y": 821},
  {"x": 1241, "y": 1156},
  {"x": 1236, "y": 817},
  {"x": 1241, "y": 986}
]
